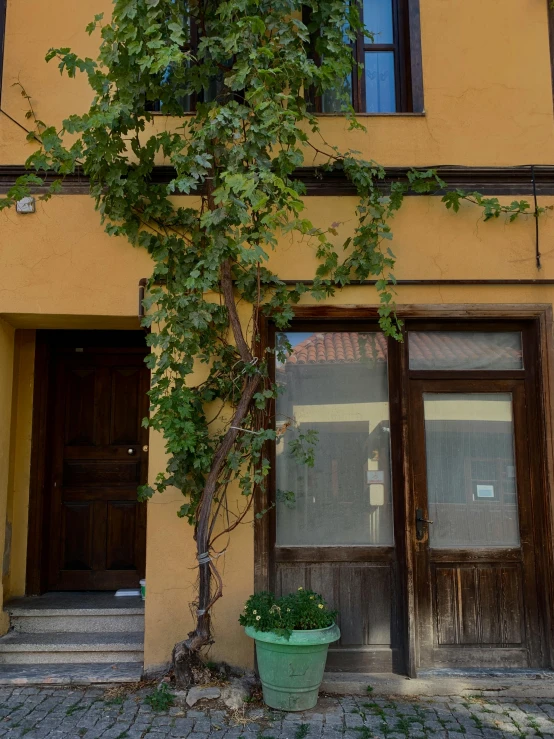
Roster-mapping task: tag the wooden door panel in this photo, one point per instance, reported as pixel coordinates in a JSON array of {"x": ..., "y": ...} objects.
[
  {"x": 479, "y": 605},
  {"x": 107, "y": 493},
  {"x": 99, "y": 460},
  {"x": 363, "y": 596},
  {"x": 80, "y": 406},
  {"x": 101, "y": 472},
  {"x": 121, "y": 533},
  {"x": 480, "y": 657},
  {"x": 77, "y": 534},
  {"x": 125, "y": 406},
  {"x": 365, "y": 620}
]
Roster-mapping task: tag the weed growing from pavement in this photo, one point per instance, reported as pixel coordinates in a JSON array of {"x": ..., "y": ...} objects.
[
  {"x": 302, "y": 731},
  {"x": 160, "y": 699},
  {"x": 73, "y": 709}
]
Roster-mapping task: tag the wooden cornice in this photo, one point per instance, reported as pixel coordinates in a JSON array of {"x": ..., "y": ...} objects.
[{"x": 509, "y": 180}]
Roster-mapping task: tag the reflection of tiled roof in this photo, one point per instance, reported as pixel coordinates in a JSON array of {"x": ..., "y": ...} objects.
[
  {"x": 339, "y": 347},
  {"x": 431, "y": 348}
]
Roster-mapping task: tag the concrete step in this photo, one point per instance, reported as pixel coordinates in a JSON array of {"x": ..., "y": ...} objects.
[
  {"x": 73, "y": 674},
  {"x": 77, "y": 613},
  {"x": 26, "y": 648}
]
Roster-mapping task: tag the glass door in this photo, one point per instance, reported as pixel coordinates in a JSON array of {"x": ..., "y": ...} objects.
[
  {"x": 473, "y": 535},
  {"x": 334, "y": 516}
]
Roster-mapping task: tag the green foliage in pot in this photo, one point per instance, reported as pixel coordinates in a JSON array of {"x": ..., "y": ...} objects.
[{"x": 301, "y": 611}]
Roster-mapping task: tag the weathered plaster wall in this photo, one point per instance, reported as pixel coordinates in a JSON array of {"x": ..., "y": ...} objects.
[
  {"x": 6, "y": 384},
  {"x": 59, "y": 261},
  {"x": 61, "y": 270}
]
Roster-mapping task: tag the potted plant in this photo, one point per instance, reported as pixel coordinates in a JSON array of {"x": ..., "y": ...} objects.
[{"x": 292, "y": 636}]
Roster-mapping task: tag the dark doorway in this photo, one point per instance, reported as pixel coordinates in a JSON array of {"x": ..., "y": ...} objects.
[{"x": 90, "y": 453}]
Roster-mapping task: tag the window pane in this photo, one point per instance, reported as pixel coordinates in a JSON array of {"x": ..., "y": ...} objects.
[
  {"x": 465, "y": 350},
  {"x": 334, "y": 383},
  {"x": 471, "y": 479},
  {"x": 378, "y": 20},
  {"x": 379, "y": 82},
  {"x": 333, "y": 101}
]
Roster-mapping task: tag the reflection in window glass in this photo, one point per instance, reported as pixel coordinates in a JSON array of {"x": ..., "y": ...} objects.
[
  {"x": 333, "y": 101},
  {"x": 378, "y": 21},
  {"x": 465, "y": 350},
  {"x": 379, "y": 82},
  {"x": 334, "y": 383},
  {"x": 471, "y": 473}
]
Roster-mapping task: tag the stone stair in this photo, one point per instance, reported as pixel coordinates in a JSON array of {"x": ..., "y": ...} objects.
[{"x": 73, "y": 639}]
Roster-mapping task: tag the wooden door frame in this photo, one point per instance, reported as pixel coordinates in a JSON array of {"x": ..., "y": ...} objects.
[
  {"x": 38, "y": 530},
  {"x": 539, "y": 317}
]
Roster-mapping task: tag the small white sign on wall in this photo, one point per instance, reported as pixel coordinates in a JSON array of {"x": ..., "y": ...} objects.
[
  {"x": 485, "y": 491},
  {"x": 375, "y": 476}
]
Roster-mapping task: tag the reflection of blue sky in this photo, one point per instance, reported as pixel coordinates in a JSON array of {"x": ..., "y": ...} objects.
[{"x": 295, "y": 338}]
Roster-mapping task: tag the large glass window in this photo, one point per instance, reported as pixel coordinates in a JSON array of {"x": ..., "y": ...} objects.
[
  {"x": 465, "y": 350},
  {"x": 334, "y": 393},
  {"x": 471, "y": 473}
]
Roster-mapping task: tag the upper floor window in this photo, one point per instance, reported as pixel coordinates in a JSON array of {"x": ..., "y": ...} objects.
[{"x": 387, "y": 74}]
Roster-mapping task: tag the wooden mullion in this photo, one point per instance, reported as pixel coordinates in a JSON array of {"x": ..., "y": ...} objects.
[
  {"x": 358, "y": 81},
  {"x": 380, "y": 47},
  {"x": 398, "y": 72}
]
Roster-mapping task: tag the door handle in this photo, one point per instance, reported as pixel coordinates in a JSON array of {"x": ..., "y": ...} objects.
[{"x": 421, "y": 522}]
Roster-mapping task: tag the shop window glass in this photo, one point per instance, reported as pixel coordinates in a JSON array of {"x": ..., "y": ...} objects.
[{"x": 334, "y": 384}]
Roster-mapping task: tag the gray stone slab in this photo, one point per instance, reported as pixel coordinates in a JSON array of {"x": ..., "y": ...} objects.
[{"x": 75, "y": 674}]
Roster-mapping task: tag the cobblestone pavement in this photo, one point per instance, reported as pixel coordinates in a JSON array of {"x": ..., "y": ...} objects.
[{"x": 93, "y": 713}]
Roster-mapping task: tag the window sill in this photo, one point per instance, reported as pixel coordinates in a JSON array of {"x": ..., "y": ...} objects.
[
  {"x": 159, "y": 113},
  {"x": 374, "y": 115}
]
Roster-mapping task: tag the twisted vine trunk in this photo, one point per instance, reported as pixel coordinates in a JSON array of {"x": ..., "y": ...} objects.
[{"x": 187, "y": 665}]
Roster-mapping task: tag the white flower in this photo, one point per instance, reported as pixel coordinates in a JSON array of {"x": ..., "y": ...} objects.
[
  {"x": 254, "y": 612},
  {"x": 300, "y": 588},
  {"x": 320, "y": 605},
  {"x": 258, "y": 618}
]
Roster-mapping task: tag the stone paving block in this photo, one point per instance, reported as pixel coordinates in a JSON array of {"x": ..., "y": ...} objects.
[
  {"x": 351, "y": 734},
  {"x": 331, "y": 733},
  {"x": 353, "y": 719},
  {"x": 161, "y": 721}
]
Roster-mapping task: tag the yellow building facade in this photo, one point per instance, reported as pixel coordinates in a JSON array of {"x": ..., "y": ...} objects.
[{"x": 484, "y": 117}]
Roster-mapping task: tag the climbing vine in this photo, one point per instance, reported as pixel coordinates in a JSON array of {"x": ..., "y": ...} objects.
[{"x": 232, "y": 197}]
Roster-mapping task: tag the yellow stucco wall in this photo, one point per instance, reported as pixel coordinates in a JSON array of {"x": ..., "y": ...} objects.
[
  {"x": 486, "y": 104},
  {"x": 486, "y": 101}
]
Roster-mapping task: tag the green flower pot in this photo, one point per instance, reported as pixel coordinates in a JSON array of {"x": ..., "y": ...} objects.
[{"x": 291, "y": 670}]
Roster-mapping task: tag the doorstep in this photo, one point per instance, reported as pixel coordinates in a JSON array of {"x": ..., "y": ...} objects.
[
  {"x": 486, "y": 682},
  {"x": 70, "y": 674}
]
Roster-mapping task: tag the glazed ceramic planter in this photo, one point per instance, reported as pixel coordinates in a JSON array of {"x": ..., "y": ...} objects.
[{"x": 291, "y": 670}]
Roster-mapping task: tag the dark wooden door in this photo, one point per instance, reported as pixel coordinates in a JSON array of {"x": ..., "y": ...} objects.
[
  {"x": 474, "y": 544},
  {"x": 99, "y": 457}
]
